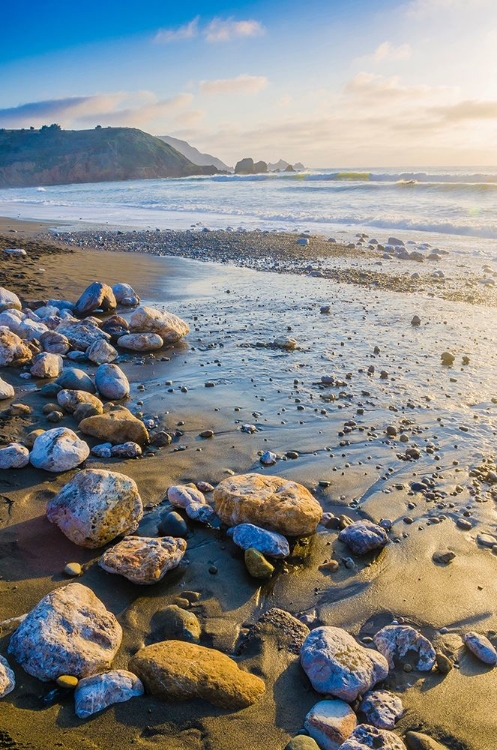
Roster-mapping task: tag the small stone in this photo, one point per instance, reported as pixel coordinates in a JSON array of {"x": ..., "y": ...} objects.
[
  {"x": 480, "y": 646},
  {"x": 75, "y": 380},
  {"x": 207, "y": 434},
  {"x": 363, "y": 537},
  {"x": 447, "y": 358},
  {"x": 67, "y": 681},
  {"x": 192, "y": 501},
  {"x": 6, "y": 390},
  {"x": 247, "y": 536},
  {"x": 14, "y": 456},
  {"x": 99, "y": 691},
  {"x": 416, "y": 320},
  {"x": 382, "y": 708},
  {"x": 161, "y": 439},
  {"x": 257, "y": 565},
  {"x": 143, "y": 560},
  {"x": 7, "y": 678},
  {"x": 268, "y": 458},
  {"x": 176, "y": 622},
  {"x": 443, "y": 558},
  {"x": 330, "y": 722},
  {"x": 111, "y": 382},
  {"x": 73, "y": 569},
  {"x": 444, "y": 664},
  {"x": 126, "y": 450},
  {"x": 172, "y": 524}
]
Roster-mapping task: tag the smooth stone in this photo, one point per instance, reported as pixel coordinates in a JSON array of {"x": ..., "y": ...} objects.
[
  {"x": 73, "y": 569},
  {"x": 141, "y": 342},
  {"x": 382, "y": 708},
  {"x": 13, "y": 351},
  {"x": 330, "y": 722},
  {"x": 46, "y": 365},
  {"x": 126, "y": 450},
  {"x": 50, "y": 389},
  {"x": 69, "y": 400},
  {"x": 67, "y": 681},
  {"x": 7, "y": 678},
  {"x": 270, "y": 502},
  {"x": 31, "y": 437},
  {"x": 363, "y": 537},
  {"x": 143, "y": 560},
  {"x": 481, "y": 647},
  {"x": 115, "y": 326},
  {"x": 101, "y": 352},
  {"x": 192, "y": 501},
  {"x": 257, "y": 565},
  {"x": 248, "y": 536},
  {"x": 97, "y": 296},
  {"x": 337, "y": 665},
  {"x": 95, "y": 693},
  {"x": 54, "y": 343},
  {"x": 176, "y": 670},
  {"x": 179, "y": 623},
  {"x": 170, "y": 327},
  {"x": 365, "y": 737},
  {"x": 9, "y": 300},
  {"x": 75, "y": 380},
  {"x": 59, "y": 449},
  {"x": 302, "y": 742},
  {"x": 396, "y": 641},
  {"x": 81, "y": 334},
  {"x": 68, "y": 632},
  {"x": 172, "y": 524},
  {"x": 117, "y": 425},
  {"x": 6, "y": 390},
  {"x": 14, "y": 456},
  {"x": 111, "y": 382},
  {"x": 95, "y": 506},
  {"x": 84, "y": 410},
  {"x": 125, "y": 295}
]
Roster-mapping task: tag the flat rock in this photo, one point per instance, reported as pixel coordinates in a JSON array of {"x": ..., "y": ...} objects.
[
  {"x": 95, "y": 506},
  {"x": 382, "y": 708},
  {"x": 170, "y": 327},
  {"x": 74, "y": 379},
  {"x": 111, "y": 382},
  {"x": 396, "y": 641},
  {"x": 97, "y": 296},
  {"x": 365, "y": 737},
  {"x": 95, "y": 693},
  {"x": 101, "y": 352},
  {"x": 81, "y": 334},
  {"x": 6, "y": 390},
  {"x": 13, "y": 456},
  {"x": 117, "y": 425},
  {"x": 9, "y": 300},
  {"x": 69, "y": 400},
  {"x": 13, "y": 351},
  {"x": 68, "y": 632},
  {"x": 176, "y": 670},
  {"x": 480, "y": 646},
  {"x": 7, "y": 678},
  {"x": 125, "y": 295},
  {"x": 337, "y": 665},
  {"x": 363, "y": 537},
  {"x": 46, "y": 365},
  {"x": 143, "y": 560},
  {"x": 247, "y": 536},
  {"x": 59, "y": 449},
  {"x": 141, "y": 342},
  {"x": 330, "y": 722},
  {"x": 270, "y": 502}
]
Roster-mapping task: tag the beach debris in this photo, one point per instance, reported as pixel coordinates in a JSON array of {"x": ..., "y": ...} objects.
[
  {"x": 13, "y": 456},
  {"x": 170, "y": 327},
  {"x": 270, "y": 502},
  {"x": 269, "y": 543},
  {"x": 141, "y": 342},
  {"x": 481, "y": 647},
  {"x": 13, "y": 351},
  {"x": 111, "y": 382},
  {"x": 330, "y": 722},
  {"x": 363, "y": 537},
  {"x": 59, "y": 449},
  {"x": 68, "y": 632},
  {"x": 95, "y": 693},
  {"x": 366, "y": 736},
  {"x": 101, "y": 352},
  {"x": 143, "y": 560},
  {"x": 192, "y": 501},
  {"x": 9, "y": 300},
  {"x": 447, "y": 358},
  {"x": 179, "y": 623},
  {"x": 97, "y": 296},
  {"x": 116, "y": 425},
  {"x": 81, "y": 333},
  {"x": 176, "y": 670},
  {"x": 6, "y": 390},
  {"x": 257, "y": 565},
  {"x": 74, "y": 379},
  {"x": 7, "y": 678},
  {"x": 125, "y": 295},
  {"x": 398, "y": 641},
  {"x": 95, "y": 506},
  {"x": 339, "y": 666},
  {"x": 69, "y": 400},
  {"x": 382, "y": 708}
]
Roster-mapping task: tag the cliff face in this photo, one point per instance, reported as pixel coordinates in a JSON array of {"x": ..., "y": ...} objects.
[
  {"x": 193, "y": 154},
  {"x": 52, "y": 156}
]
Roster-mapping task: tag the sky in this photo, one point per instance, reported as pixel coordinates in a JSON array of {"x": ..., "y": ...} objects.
[{"x": 344, "y": 83}]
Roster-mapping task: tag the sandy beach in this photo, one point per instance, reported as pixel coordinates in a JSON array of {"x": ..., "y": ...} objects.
[{"x": 345, "y": 441}]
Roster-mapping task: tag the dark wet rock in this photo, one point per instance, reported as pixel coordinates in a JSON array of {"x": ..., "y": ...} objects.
[
  {"x": 363, "y": 537},
  {"x": 75, "y": 380},
  {"x": 172, "y": 524},
  {"x": 176, "y": 622},
  {"x": 97, "y": 296}
]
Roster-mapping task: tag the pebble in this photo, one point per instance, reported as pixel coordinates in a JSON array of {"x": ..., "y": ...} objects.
[
  {"x": 481, "y": 647},
  {"x": 73, "y": 569},
  {"x": 67, "y": 681},
  {"x": 257, "y": 565}
]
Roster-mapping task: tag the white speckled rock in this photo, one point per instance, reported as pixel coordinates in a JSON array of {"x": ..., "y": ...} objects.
[
  {"x": 337, "y": 665},
  {"x": 46, "y": 365},
  {"x": 59, "y": 449},
  {"x": 12, "y": 319},
  {"x": 111, "y": 382},
  {"x": 365, "y": 737},
  {"x": 363, "y": 536},
  {"x": 81, "y": 334},
  {"x": 55, "y": 343},
  {"x": 31, "y": 329},
  {"x": 143, "y": 560},
  {"x": 95, "y": 506},
  {"x": 68, "y": 632},
  {"x": 125, "y": 295},
  {"x": 192, "y": 501},
  {"x": 6, "y": 390},
  {"x": 248, "y": 536},
  {"x": 9, "y": 300},
  {"x": 330, "y": 723},
  {"x": 95, "y": 693},
  {"x": 7, "y": 678},
  {"x": 101, "y": 352},
  {"x": 97, "y": 296},
  {"x": 70, "y": 400},
  {"x": 141, "y": 342},
  {"x": 481, "y": 647},
  {"x": 13, "y": 351},
  {"x": 382, "y": 708},
  {"x": 126, "y": 450},
  {"x": 395, "y": 641},
  {"x": 14, "y": 456},
  {"x": 169, "y": 327}
]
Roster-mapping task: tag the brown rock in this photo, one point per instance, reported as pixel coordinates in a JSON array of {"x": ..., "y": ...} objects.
[
  {"x": 143, "y": 560},
  {"x": 116, "y": 426}
]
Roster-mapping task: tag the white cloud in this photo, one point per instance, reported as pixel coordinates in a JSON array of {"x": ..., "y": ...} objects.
[
  {"x": 243, "y": 84},
  {"x": 225, "y": 29},
  {"x": 388, "y": 51},
  {"x": 370, "y": 86},
  {"x": 187, "y": 31}
]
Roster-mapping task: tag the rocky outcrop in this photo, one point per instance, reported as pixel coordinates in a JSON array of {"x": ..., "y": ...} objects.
[{"x": 248, "y": 166}]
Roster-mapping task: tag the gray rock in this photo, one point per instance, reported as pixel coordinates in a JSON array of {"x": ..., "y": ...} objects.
[
  {"x": 141, "y": 342},
  {"x": 396, "y": 641},
  {"x": 143, "y": 560},
  {"x": 14, "y": 456},
  {"x": 59, "y": 449},
  {"x": 192, "y": 501},
  {"x": 97, "y": 296},
  {"x": 247, "y": 536},
  {"x": 70, "y": 400},
  {"x": 46, "y": 365},
  {"x": 111, "y": 382},
  {"x": 330, "y": 722},
  {"x": 95, "y": 693},
  {"x": 365, "y": 737},
  {"x": 55, "y": 343},
  {"x": 170, "y": 327},
  {"x": 7, "y": 678},
  {"x": 6, "y": 390},
  {"x": 125, "y": 295},
  {"x": 363, "y": 536},
  {"x": 382, "y": 708},
  {"x": 480, "y": 646},
  {"x": 81, "y": 334},
  {"x": 126, "y": 450},
  {"x": 75, "y": 380},
  {"x": 9, "y": 300},
  {"x": 101, "y": 352}
]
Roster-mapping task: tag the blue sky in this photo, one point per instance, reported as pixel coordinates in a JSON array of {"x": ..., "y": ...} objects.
[{"x": 355, "y": 82}]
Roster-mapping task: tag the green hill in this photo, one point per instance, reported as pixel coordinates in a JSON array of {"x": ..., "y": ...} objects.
[{"x": 51, "y": 156}]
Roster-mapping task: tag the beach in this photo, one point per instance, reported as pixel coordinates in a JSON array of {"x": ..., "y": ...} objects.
[{"x": 349, "y": 310}]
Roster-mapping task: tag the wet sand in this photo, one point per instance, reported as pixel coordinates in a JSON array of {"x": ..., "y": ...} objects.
[{"x": 448, "y": 413}]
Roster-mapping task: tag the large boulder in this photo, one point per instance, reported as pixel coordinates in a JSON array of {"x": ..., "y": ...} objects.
[
  {"x": 46, "y": 365},
  {"x": 95, "y": 507},
  {"x": 68, "y": 632},
  {"x": 99, "y": 691},
  {"x": 117, "y": 425},
  {"x": 337, "y": 665},
  {"x": 9, "y": 300},
  {"x": 101, "y": 352},
  {"x": 271, "y": 502},
  {"x": 176, "y": 670},
  {"x": 125, "y": 295},
  {"x": 169, "y": 327},
  {"x": 141, "y": 342},
  {"x": 13, "y": 456},
  {"x": 365, "y": 737},
  {"x": 55, "y": 343},
  {"x": 74, "y": 379},
  {"x": 81, "y": 334},
  {"x": 111, "y": 382},
  {"x": 143, "y": 560},
  {"x": 330, "y": 723},
  {"x": 13, "y": 351},
  {"x": 59, "y": 449},
  {"x": 6, "y": 390},
  {"x": 70, "y": 400},
  {"x": 97, "y": 296}
]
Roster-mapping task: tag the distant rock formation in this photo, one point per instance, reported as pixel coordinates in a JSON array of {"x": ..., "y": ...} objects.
[
  {"x": 247, "y": 166},
  {"x": 284, "y": 166},
  {"x": 194, "y": 155}
]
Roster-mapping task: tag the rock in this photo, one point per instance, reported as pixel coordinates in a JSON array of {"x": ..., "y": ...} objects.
[
  {"x": 285, "y": 342},
  {"x": 46, "y": 365},
  {"x": 9, "y": 300},
  {"x": 12, "y": 349},
  {"x": 103, "y": 450},
  {"x": 67, "y": 681},
  {"x": 447, "y": 359},
  {"x": 15, "y": 252},
  {"x": 396, "y": 641},
  {"x": 73, "y": 569},
  {"x": 416, "y": 320},
  {"x": 126, "y": 450},
  {"x": 50, "y": 389},
  {"x": 247, "y": 536},
  {"x": 268, "y": 458},
  {"x": 382, "y": 708},
  {"x": 141, "y": 342},
  {"x": 55, "y": 416},
  {"x": 419, "y": 741},
  {"x": 480, "y": 646},
  {"x": 169, "y": 327},
  {"x": 6, "y": 390},
  {"x": 160, "y": 439},
  {"x": 68, "y": 632},
  {"x": 363, "y": 537},
  {"x": 111, "y": 382},
  {"x": 330, "y": 723},
  {"x": 31, "y": 437},
  {"x": 175, "y": 670},
  {"x": 365, "y": 737},
  {"x": 55, "y": 343},
  {"x": 20, "y": 410},
  {"x": 69, "y": 400},
  {"x": 117, "y": 425},
  {"x": 13, "y": 456},
  {"x": 7, "y": 678},
  {"x": 125, "y": 295},
  {"x": 81, "y": 334},
  {"x": 270, "y": 502},
  {"x": 192, "y": 501},
  {"x": 115, "y": 326},
  {"x": 59, "y": 449},
  {"x": 444, "y": 664},
  {"x": 97, "y": 296},
  {"x": 31, "y": 329},
  {"x": 337, "y": 665},
  {"x": 395, "y": 241},
  {"x": 95, "y": 693},
  {"x": 179, "y": 623},
  {"x": 302, "y": 742},
  {"x": 257, "y": 565},
  {"x": 172, "y": 524},
  {"x": 143, "y": 560},
  {"x": 443, "y": 558},
  {"x": 95, "y": 506},
  {"x": 75, "y": 380},
  {"x": 101, "y": 352}
]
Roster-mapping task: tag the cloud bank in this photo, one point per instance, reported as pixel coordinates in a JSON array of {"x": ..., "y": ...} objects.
[{"x": 216, "y": 30}]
